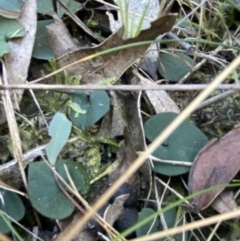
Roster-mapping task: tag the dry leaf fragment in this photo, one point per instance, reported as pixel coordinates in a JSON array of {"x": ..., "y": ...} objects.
[
  {"x": 225, "y": 202},
  {"x": 217, "y": 163},
  {"x": 114, "y": 64},
  {"x": 128, "y": 158},
  {"x": 114, "y": 211},
  {"x": 159, "y": 99},
  {"x": 60, "y": 45}
]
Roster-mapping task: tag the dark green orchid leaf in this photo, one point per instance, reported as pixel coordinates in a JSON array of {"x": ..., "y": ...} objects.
[
  {"x": 144, "y": 230},
  {"x": 182, "y": 145},
  {"x": 10, "y": 28},
  {"x": 86, "y": 111},
  {"x": 41, "y": 49},
  {"x": 13, "y": 206},
  {"x": 170, "y": 218},
  {"x": 4, "y": 47},
  {"x": 59, "y": 130},
  {"x": 174, "y": 66},
  {"x": 77, "y": 173},
  {"x": 10, "y": 8},
  {"x": 46, "y": 7},
  {"x": 44, "y": 193}
]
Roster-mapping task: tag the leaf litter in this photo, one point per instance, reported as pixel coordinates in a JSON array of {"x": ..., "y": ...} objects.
[
  {"x": 116, "y": 63},
  {"x": 125, "y": 110},
  {"x": 217, "y": 163}
]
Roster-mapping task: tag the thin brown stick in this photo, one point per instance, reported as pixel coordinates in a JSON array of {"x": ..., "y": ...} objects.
[
  {"x": 73, "y": 88},
  {"x": 216, "y": 98},
  {"x": 200, "y": 64}
]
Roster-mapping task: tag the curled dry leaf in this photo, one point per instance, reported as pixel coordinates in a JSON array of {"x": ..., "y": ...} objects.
[
  {"x": 60, "y": 45},
  {"x": 217, "y": 163},
  {"x": 114, "y": 211},
  {"x": 114, "y": 64},
  {"x": 225, "y": 202}
]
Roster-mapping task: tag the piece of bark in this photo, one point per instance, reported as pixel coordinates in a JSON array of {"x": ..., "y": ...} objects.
[{"x": 18, "y": 59}]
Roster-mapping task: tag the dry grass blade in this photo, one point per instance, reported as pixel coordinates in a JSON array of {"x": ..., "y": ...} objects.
[
  {"x": 102, "y": 222},
  {"x": 9, "y": 188},
  {"x": 12, "y": 123},
  {"x": 4, "y": 237},
  {"x": 190, "y": 226}
]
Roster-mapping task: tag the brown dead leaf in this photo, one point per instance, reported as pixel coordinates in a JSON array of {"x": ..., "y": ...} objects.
[
  {"x": 125, "y": 111},
  {"x": 114, "y": 211},
  {"x": 217, "y": 163},
  {"x": 59, "y": 38},
  {"x": 128, "y": 158},
  {"x": 114, "y": 64},
  {"x": 110, "y": 214},
  {"x": 225, "y": 202}
]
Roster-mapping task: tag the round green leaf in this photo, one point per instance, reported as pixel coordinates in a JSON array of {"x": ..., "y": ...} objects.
[
  {"x": 10, "y": 8},
  {"x": 14, "y": 208},
  {"x": 59, "y": 130},
  {"x": 77, "y": 173},
  {"x": 175, "y": 66},
  {"x": 95, "y": 107},
  {"x": 46, "y": 7},
  {"x": 41, "y": 49},
  {"x": 4, "y": 47},
  {"x": 182, "y": 145},
  {"x": 143, "y": 230},
  {"x": 170, "y": 217},
  {"x": 9, "y": 29},
  {"x": 45, "y": 195}
]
